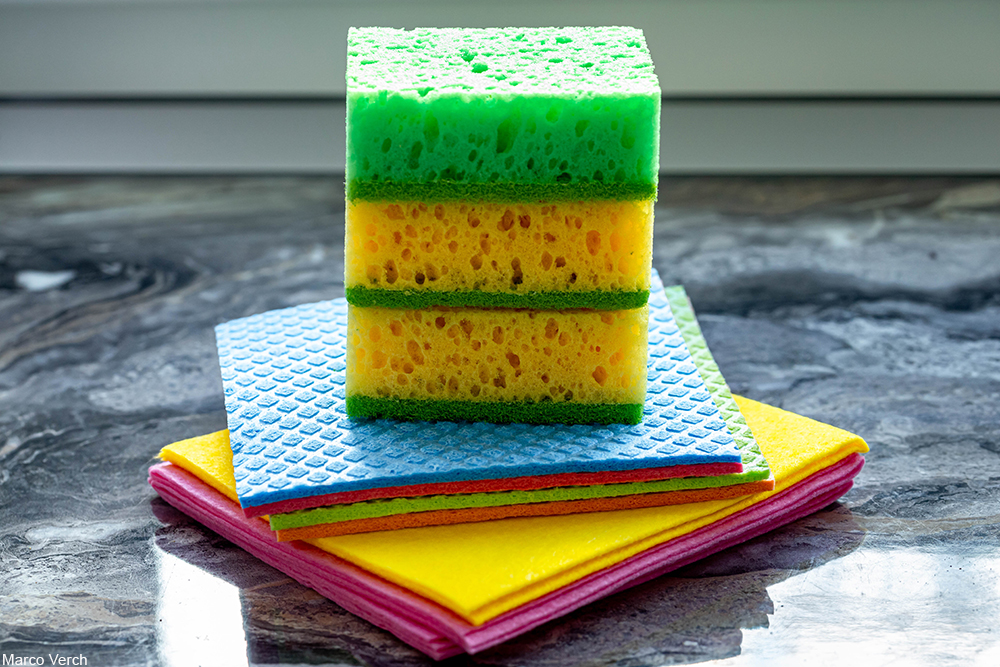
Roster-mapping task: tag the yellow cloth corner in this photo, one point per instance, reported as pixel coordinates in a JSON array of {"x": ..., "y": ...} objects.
[
  {"x": 481, "y": 570},
  {"x": 207, "y": 457}
]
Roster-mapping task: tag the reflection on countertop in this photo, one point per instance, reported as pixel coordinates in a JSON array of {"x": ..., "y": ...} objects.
[{"x": 869, "y": 303}]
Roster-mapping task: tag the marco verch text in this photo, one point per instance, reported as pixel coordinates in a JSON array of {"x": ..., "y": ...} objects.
[{"x": 76, "y": 660}]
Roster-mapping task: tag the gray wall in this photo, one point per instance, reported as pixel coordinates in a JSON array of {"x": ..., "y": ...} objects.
[{"x": 749, "y": 85}]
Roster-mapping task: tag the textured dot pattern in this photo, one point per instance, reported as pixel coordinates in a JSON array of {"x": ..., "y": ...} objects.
[
  {"x": 490, "y": 247},
  {"x": 676, "y": 298},
  {"x": 556, "y": 106},
  {"x": 283, "y": 377}
]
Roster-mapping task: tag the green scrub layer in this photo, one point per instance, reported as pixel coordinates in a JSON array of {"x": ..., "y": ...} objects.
[
  {"x": 509, "y": 193},
  {"x": 522, "y": 412},
  {"x": 384, "y": 298},
  {"x": 573, "y": 112}
]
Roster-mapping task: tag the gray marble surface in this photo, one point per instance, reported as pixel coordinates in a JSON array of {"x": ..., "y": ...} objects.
[{"x": 872, "y": 304}]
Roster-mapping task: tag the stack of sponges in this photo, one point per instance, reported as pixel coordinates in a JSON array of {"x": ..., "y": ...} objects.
[{"x": 500, "y": 187}]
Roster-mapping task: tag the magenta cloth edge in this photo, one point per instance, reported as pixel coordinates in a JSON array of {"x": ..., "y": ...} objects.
[{"x": 437, "y": 631}]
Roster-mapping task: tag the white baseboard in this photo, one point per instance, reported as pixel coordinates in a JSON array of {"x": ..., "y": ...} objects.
[{"x": 308, "y": 137}]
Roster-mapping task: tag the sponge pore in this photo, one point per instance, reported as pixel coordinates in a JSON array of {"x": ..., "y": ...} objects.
[{"x": 570, "y": 111}]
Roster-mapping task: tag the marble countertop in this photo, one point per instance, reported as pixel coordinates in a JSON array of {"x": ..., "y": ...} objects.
[{"x": 872, "y": 304}]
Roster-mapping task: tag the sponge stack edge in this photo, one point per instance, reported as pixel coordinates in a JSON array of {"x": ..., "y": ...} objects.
[{"x": 500, "y": 187}]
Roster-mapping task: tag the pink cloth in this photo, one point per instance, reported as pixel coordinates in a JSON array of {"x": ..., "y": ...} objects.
[{"x": 440, "y": 633}]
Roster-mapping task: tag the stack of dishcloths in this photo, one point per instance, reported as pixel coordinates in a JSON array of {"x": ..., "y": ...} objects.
[
  {"x": 509, "y": 416},
  {"x": 300, "y": 459}
]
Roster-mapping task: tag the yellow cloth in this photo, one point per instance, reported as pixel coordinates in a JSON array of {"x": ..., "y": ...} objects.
[{"x": 481, "y": 570}]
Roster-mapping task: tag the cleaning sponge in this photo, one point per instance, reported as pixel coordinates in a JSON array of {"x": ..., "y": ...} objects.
[
  {"x": 575, "y": 366},
  {"x": 501, "y": 114},
  {"x": 580, "y": 254}
]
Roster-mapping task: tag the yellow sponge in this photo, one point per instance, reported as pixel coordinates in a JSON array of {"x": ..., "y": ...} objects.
[
  {"x": 587, "y": 254},
  {"x": 572, "y": 358}
]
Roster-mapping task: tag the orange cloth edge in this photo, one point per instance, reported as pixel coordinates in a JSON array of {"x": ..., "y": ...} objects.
[{"x": 555, "y": 508}]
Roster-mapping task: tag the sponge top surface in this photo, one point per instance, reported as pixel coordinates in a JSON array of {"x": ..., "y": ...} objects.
[
  {"x": 553, "y": 114},
  {"x": 431, "y": 62}
]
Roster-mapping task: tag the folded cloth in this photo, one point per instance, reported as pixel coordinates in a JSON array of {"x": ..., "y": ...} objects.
[
  {"x": 480, "y": 572},
  {"x": 437, "y": 631}
]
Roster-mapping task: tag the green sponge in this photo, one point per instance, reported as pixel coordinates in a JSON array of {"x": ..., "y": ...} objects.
[{"x": 573, "y": 111}]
